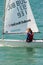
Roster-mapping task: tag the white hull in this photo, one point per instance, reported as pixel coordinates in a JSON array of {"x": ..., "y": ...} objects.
[{"x": 21, "y": 43}]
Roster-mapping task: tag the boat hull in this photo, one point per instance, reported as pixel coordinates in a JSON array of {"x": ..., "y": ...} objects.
[{"x": 21, "y": 43}]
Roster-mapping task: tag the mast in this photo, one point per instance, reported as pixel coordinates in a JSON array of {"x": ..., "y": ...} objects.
[{"x": 3, "y": 21}]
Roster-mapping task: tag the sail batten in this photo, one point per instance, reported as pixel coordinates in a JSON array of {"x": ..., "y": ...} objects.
[{"x": 19, "y": 17}]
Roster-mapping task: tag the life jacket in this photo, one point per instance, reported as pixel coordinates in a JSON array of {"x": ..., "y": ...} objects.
[{"x": 30, "y": 37}]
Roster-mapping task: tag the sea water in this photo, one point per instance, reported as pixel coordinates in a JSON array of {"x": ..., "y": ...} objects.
[{"x": 23, "y": 55}]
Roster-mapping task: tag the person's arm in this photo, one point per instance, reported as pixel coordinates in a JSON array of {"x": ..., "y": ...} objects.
[{"x": 32, "y": 33}]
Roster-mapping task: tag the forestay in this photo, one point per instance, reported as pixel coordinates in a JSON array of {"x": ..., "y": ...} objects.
[{"x": 18, "y": 17}]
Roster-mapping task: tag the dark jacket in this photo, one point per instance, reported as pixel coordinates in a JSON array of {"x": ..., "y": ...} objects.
[{"x": 29, "y": 37}]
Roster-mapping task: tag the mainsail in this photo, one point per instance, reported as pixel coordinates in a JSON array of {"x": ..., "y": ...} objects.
[{"x": 18, "y": 17}]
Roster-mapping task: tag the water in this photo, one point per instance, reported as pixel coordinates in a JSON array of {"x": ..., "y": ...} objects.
[{"x": 23, "y": 56}]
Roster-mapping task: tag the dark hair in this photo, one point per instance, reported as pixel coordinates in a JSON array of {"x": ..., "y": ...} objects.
[{"x": 30, "y": 30}]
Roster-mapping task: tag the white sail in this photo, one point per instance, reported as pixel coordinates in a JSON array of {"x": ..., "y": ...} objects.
[{"x": 19, "y": 17}]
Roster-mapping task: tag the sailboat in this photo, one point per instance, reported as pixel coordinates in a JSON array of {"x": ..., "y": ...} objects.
[{"x": 19, "y": 17}]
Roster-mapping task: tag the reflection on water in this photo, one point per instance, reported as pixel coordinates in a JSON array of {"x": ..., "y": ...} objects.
[
  {"x": 30, "y": 51},
  {"x": 18, "y": 56}
]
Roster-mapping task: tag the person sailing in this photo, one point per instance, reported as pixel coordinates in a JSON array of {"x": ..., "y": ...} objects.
[{"x": 30, "y": 35}]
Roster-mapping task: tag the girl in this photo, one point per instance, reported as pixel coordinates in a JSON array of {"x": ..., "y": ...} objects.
[{"x": 29, "y": 35}]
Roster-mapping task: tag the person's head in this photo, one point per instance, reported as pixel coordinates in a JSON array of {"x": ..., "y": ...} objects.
[{"x": 29, "y": 30}]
